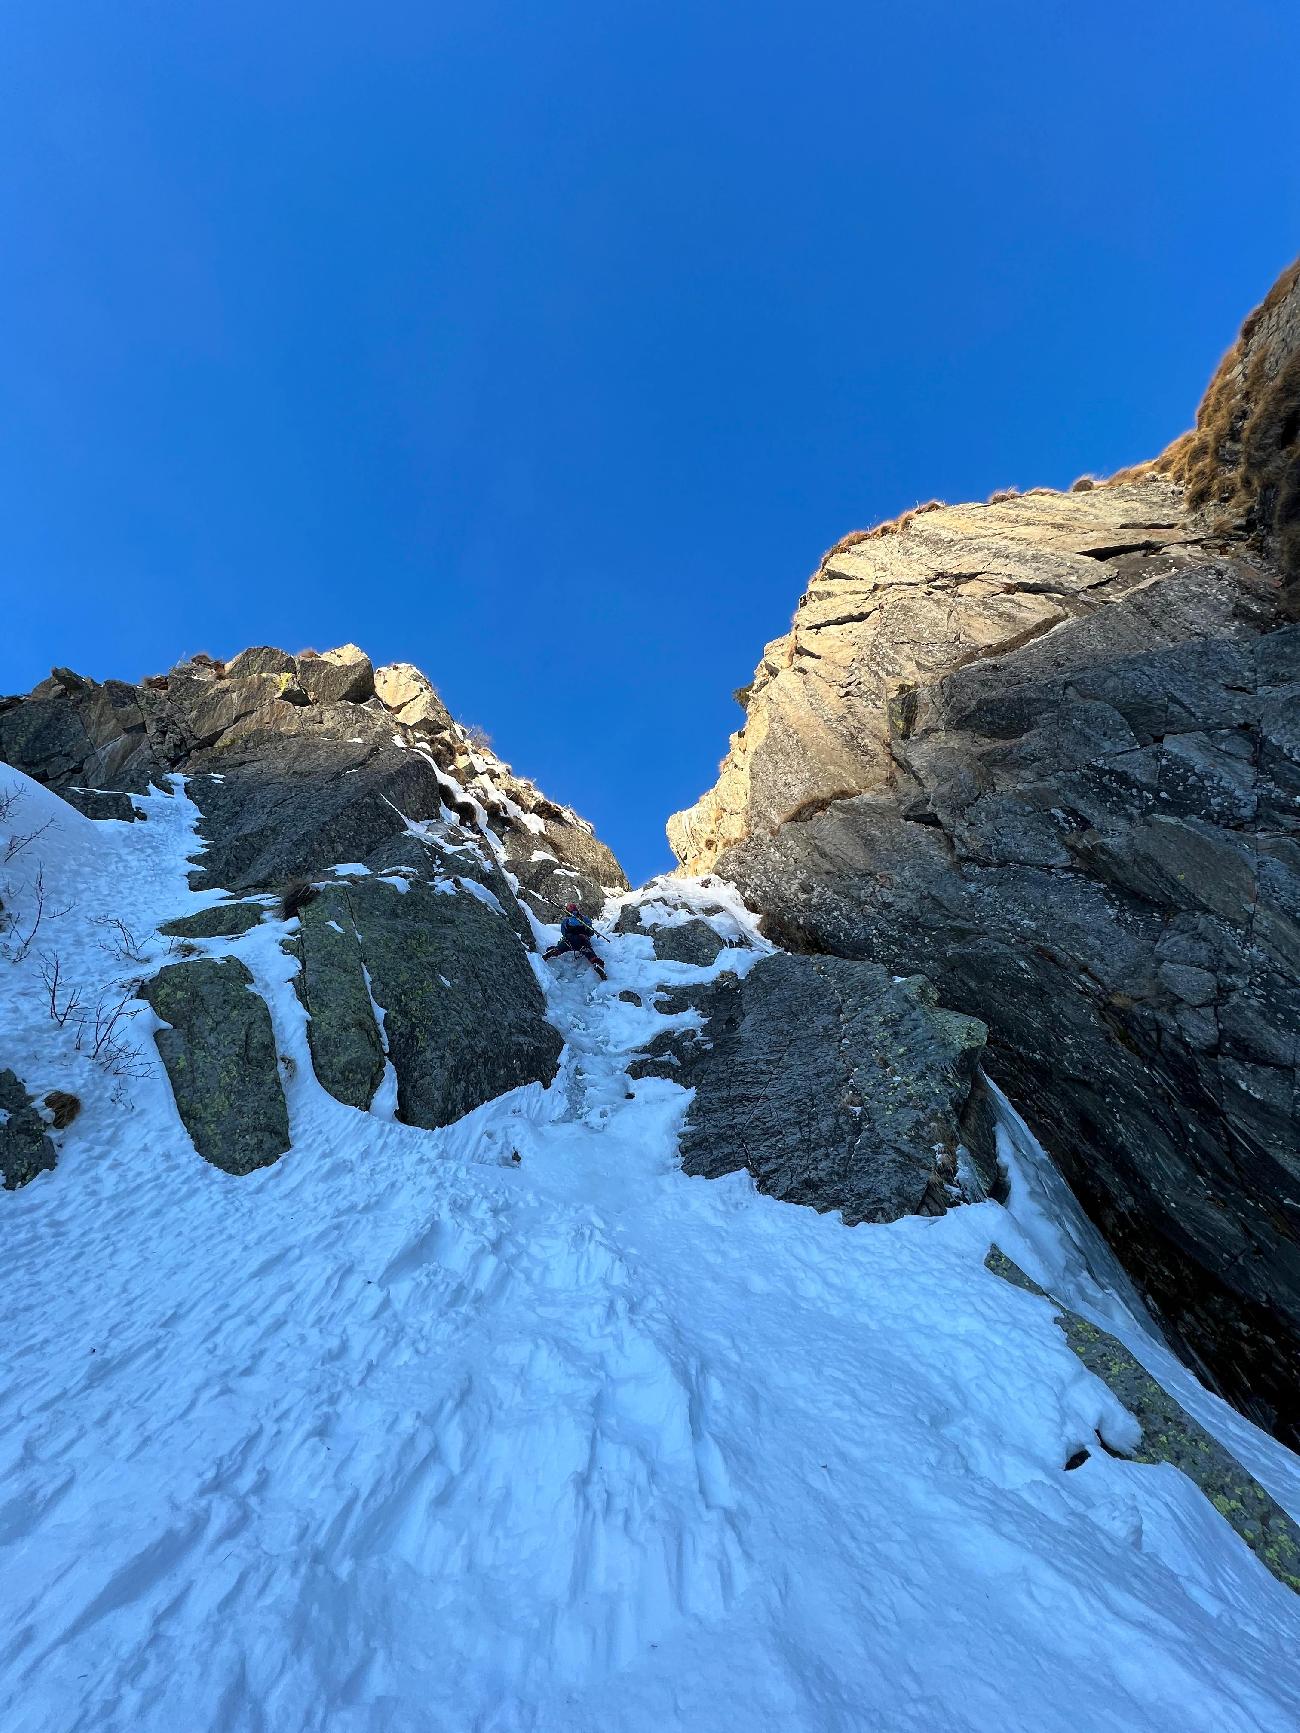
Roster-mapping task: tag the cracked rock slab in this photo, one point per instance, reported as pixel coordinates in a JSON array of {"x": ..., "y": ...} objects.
[{"x": 834, "y": 1085}]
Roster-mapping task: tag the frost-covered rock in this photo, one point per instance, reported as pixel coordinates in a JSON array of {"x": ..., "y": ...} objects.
[
  {"x": 219, "y": 1051},
  {"x": 548, "y": 886},
  {"x": 692, "y": 940},
  {"x": 26, "y": 1148},
  {"x": 833, "y": 1084}
]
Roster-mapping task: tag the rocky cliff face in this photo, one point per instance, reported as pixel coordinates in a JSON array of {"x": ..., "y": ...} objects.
[
  {"x": 299, "y": 763},
  {"x": 359, "y": 848},
  {"x": 1047, "y": 752},
  {"x": 345, "y": 815}
]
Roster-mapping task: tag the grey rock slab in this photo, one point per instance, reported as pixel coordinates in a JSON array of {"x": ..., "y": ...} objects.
[
  {"x": 1192, "y": 985},
  {"x": 576, "y": 845},
  {"x": 342, "y": 676},
  {"x": 293, "y": 805},
  {"x": 347, "y": 1049},
  {"x": 220, "y": 1056},
  {"x": 459, "y": 857},
  {"x": 221, "y": 921},
  {"x": 551, "y": 886},
  {"x": 464, "y": 1015},
  {"x": 834, "y": 1085}
]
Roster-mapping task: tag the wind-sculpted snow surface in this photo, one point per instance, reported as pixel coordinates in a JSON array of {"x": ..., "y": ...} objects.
[{"x": 511, "y": 1426}]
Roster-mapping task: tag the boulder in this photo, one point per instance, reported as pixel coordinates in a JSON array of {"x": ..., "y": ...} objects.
[
  {"x": 464, "y": 1017},
  {"x": 694, "y": 942},
  {"x": 25, "y": 1145},
  {"x": 834, "y": 1085},
  {"x": 342, "y": 676},
  {"x": 103, "y": 803},
  {"x": 347, "y": 1048},
  {"x": 219, "y": 1051},
  {"x": 412, "y": 698},
  {"x": 260, "y": 659},
  {"x": 221, "y": 921}
]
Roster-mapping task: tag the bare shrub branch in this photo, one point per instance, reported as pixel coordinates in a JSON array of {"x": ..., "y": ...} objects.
[
  {"x": 19, "y": 840},
  {"x": 99, "y": 1030},
  {"x": 20, "y": 947},
  {"x": 11, "y": 799},
  {"x": 63, "y": 1000},
  {"x": 120, "y": 941}
]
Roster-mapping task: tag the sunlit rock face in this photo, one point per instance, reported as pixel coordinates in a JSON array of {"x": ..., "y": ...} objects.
[{"x": 1047, "y": 752}]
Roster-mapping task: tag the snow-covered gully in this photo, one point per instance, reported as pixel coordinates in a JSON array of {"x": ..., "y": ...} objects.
[{"x": 512, "y": 1426}]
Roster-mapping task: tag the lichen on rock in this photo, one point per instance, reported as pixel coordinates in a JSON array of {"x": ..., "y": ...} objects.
[
  {"x": 1169, "y": 1434},
  {"x": 219, "y": 1052}
]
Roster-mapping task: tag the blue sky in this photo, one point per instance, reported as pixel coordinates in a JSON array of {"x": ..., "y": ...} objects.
[{"x": 548, "y": 346}]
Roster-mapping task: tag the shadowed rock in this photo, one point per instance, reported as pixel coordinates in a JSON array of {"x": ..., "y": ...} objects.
[
  {"x": 347, "y": 1049},
  {"x": 835, "y": 1086},
  {"x": 289, "y": 805},
  {"x": 221, "y": 921},
  {"x": 464, "y": 1017},
  {"x": 342, "y": 676},
  {"x": 25, "y": 1145}
]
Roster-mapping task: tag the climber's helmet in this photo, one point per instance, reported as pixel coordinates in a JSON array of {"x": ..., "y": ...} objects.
[{"x": 570, "y": 908}]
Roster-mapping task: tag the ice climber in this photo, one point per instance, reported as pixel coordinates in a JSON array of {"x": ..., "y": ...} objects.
[{"x": 576, "y": 934}]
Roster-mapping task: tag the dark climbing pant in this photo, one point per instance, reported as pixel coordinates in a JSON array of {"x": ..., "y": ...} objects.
[{"x": 579, "y": 948}]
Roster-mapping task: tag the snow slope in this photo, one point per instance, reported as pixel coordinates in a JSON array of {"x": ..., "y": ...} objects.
[{"x": 404, "y": 1435}]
